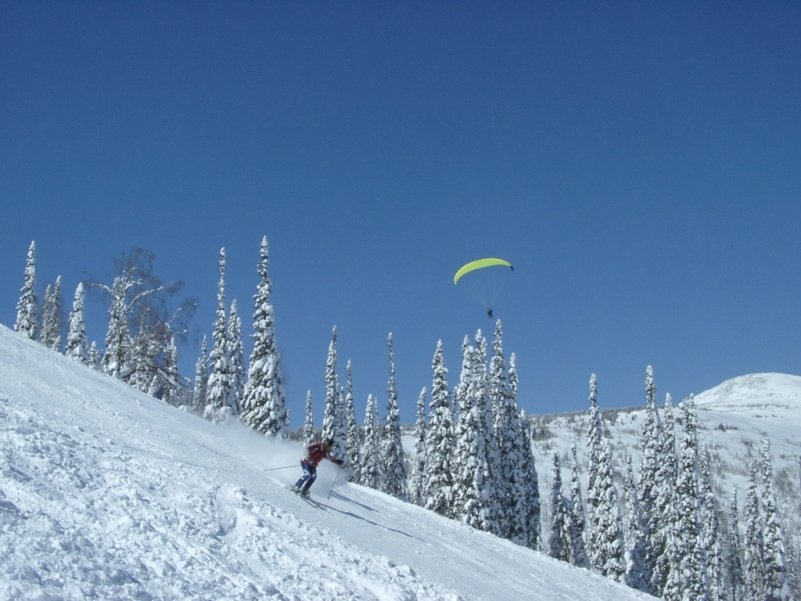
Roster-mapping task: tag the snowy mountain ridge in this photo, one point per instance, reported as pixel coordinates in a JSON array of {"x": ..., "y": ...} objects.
[
  {"x": 754, "y": 390},
  {"x": 107, "y": 493},
  {"x": 749, "y": 408}
]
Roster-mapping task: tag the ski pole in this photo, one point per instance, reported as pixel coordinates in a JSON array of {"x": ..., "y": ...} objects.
[
  {"x": 339, "y": 469},
  {"x": 272, "y": 469}
]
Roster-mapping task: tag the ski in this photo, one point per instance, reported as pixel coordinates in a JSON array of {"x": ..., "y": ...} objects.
[
  {"x": 306, "y": 498},
  {"x": 312, "y": 502}
]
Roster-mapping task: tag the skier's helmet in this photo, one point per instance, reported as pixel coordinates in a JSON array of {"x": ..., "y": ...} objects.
[{"x": 329, "y": 442}]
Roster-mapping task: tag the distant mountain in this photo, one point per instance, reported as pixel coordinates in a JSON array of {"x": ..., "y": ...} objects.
[
  {"x": 739, "y": 413},
  {"x": 736, "y": 414},
  {"x": 749, "y": 394}
]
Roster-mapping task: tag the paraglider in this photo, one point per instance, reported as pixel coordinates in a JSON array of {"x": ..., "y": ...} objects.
[{"x": 484, "y": 277}]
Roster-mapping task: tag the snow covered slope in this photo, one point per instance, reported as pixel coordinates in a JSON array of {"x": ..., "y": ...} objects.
[
  {"x": 106, "y": 493},
  {"x": 754, "y": 392},
  {"x": 733, "y": 420},
  {"x": 741, "y": 412},
  {"x": 733, "y": 417}
]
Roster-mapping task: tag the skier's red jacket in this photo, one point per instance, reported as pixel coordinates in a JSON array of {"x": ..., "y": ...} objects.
[{"x": 316, "y": 452}]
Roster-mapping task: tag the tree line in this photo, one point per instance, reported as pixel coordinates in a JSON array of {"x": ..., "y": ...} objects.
[{"x": 145, "y": 320}]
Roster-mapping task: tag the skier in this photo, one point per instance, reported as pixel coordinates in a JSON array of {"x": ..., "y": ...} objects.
[{"x": 315, "y": 453}]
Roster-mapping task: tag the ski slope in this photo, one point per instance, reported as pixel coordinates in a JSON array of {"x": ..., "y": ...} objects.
[{"x": 107, "y": 493}]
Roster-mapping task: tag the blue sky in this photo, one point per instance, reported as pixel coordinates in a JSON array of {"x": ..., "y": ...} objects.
[{"x": 639, "y": 163}]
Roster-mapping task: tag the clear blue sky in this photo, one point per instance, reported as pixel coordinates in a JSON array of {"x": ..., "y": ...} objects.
[{"x": 638, "y": 162}]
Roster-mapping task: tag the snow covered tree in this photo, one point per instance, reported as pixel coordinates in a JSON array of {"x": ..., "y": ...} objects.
[
  {"x": 665, "y": 494},
  {"x": 710, "y": 528},
  {"x": 529, "y": 529},
  {"x": 219, "y": 385},
  {"x": 754, "y": 550},
  {"x": 138, "y": 371},
  {"x": 353, "y": 459},
  {"x": 607, "y": 544},
  {"x": 517, "y": 501},
  {"x": 559, "y": 539},
  {"x": 647, "y": 490},
  {"x": 333, "y": 412},
  {"x": 526, "y": 527},
  {"x": 236, "y": 356},
  {"x": 155, "y": 368},
  {"x": 472, "y": 481},
  {"x": 51, "y": 316},
  {"x": 492, "y": 504},
  {"x": 594, "y": 444},
  {"x": 575, "y": 515},
  {"x": 76, "y": 346},
  {"x": 94, "y": 359},
  {"x": 733, "y": 561},
  {"x": 153, "y": 389},
  {"x": 117, "y": 357},
  {"x": 26, "y": 322},
  {"x": 777, "y": 586},
  {"x": 502, "y": 462},
  {"x": 637, "y": 575},
  {"x": 308, "y": 422},
  {"x": 417, "y": 479},
  {"x": 500, "y": 413},
  {"x": 393, "y": 471},
  {"x": 200, "y": 389},
  {"x": 167, "y": 385},
  {"x": 143, "y": 316},
  {"x": 604, "y": 536},
  {"x": 370, "y": 474},
  {"x": 672, "y": 589},
  {"x": 264, "y": 401},
  {"x": 691, "y": 567},
  {"x": 439, "y": 441}
]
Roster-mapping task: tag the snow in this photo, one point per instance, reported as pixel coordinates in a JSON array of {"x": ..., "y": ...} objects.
[
  {"x": 107, "y": 493},
  {"x": 755, "y": 407},
  {"x": 733, "y": 420}
]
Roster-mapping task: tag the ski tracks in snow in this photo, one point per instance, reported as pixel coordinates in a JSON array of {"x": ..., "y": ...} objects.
[
  {"x": 109, "y": 521},
  {"x": 300, "y": 560}
]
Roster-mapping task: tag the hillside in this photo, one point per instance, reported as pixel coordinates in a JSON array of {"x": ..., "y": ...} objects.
[
  {"x": 736, "y": 415},
  {"x": 733, "y": 420},
  {"x": 106, "y": 493}
]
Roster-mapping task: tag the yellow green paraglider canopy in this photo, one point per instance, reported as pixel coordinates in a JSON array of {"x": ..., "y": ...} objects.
[{"x": 480, "y": 264}]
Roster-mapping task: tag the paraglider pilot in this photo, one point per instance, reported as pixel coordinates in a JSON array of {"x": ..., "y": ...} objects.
[
  {"x": 315, "y": 453},
  {"x": 489, "y": 312}
]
